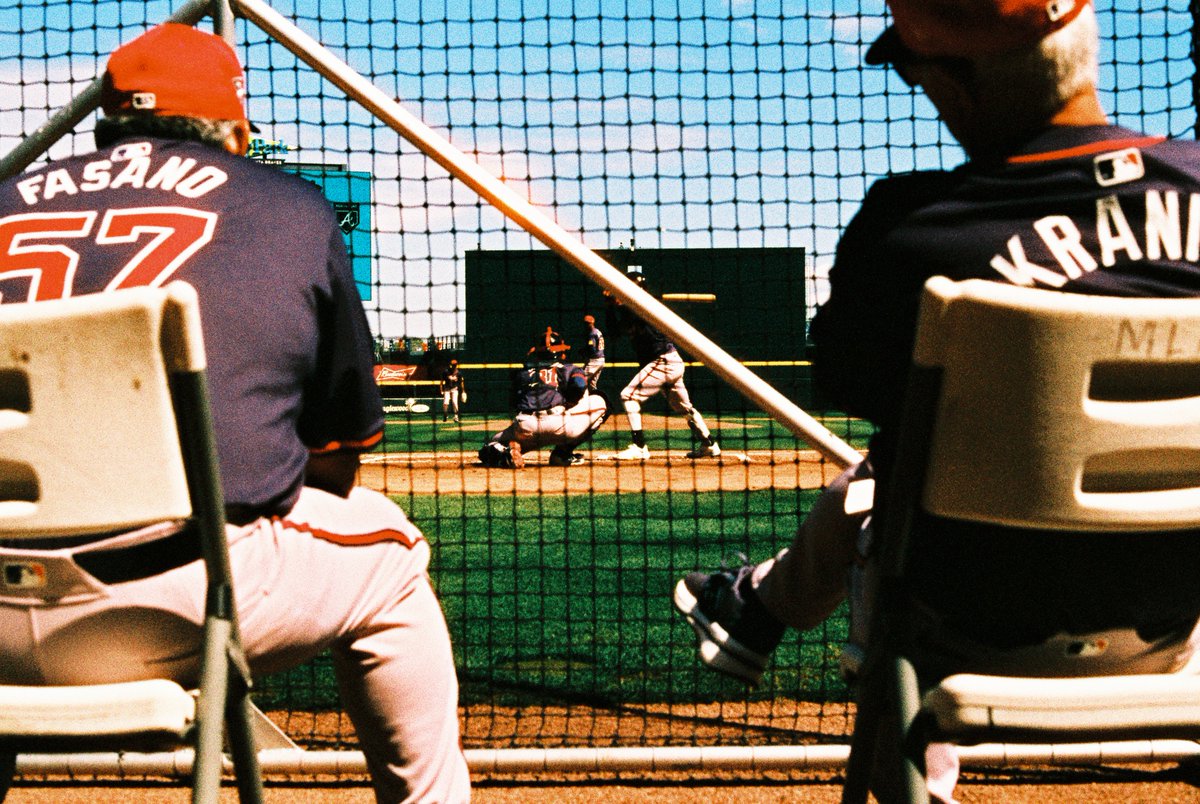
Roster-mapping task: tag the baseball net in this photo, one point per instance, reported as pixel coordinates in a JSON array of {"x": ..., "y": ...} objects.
[{"x": 678, "y": 135}]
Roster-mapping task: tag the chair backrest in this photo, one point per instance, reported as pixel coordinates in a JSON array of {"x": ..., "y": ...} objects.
[
  {"x": 88, "y": 434},
  {"x": 1062, "y": 411}
]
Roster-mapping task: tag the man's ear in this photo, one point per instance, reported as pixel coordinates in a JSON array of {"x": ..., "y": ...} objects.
[{"x": 238, "y": 141}]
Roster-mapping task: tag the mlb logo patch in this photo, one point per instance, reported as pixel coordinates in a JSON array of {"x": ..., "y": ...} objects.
[
  {"x": 1119, "y": 167},
  {"x": 24, "y": 575},
  {"x": 143, "y": 100}
]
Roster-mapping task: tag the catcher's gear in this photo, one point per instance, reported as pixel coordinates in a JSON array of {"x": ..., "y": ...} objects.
[
  {"x": 496, "y": 456},
  {"x": 550, "y": 343}
]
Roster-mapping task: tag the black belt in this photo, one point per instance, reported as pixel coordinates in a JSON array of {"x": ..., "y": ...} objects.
[{"x": 145, "y": 560}]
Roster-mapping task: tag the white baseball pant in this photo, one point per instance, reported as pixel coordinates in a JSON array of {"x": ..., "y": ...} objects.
[
  {"x": 556, "y": 426},
  {"x": 344, "y": 574},
  {"x": 663, "y": 375}
]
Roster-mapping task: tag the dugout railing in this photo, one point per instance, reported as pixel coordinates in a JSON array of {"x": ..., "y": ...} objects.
[{"x": 687, "y": 163}]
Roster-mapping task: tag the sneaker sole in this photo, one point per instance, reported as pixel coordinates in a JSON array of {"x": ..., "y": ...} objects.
[{"x": 717, "y": 649}]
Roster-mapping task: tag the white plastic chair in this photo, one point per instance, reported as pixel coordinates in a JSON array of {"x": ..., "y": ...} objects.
[
  {"x": 105, "y": 428},
  {"x": 1060, "y": 415}
]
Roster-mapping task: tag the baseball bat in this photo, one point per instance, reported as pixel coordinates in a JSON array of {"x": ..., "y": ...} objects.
[{"x": 707, "y": 298}]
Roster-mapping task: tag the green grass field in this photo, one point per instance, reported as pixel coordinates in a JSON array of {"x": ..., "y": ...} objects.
[
  {"x": 568, "y": 599},
  {"x": 559, "y": 600}
]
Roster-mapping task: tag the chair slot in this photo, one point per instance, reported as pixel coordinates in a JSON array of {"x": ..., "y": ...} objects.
[
  {"x": 1125, "y": 381},
  {"x": 1141, "y": 470},
  {"x": 18, "y": 482},
  {"x": 14, "y": 391}
]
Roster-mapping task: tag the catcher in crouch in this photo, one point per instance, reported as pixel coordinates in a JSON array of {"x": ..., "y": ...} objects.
[{"x": 554, "y": 406}]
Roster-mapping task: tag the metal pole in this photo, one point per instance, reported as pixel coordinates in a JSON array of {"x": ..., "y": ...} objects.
[
  {"x": 678, "y": 758},
  {"x": 541, "y": 226},
  {"x": 83, "y": 104},
  {"x": 222, "y": 15}
]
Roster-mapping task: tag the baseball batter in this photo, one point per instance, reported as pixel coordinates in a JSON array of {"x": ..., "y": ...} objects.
[
  {"x": 318, "y": 563},
  {"x": 593, "y": 351},
  {"x": 661, "y": 372},
  {"x": 554, "y": 407},
  {"x": 454, "y": 391}
]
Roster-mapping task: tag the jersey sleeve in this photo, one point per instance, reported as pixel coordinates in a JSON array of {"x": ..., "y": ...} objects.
[
  {"x": 863, "y": 334},
  {"x": 342, "y": 408}
]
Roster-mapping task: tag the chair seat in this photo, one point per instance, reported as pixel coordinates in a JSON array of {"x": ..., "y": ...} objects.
[
  {"x": 976, "y": 707},
  {"x": 160, "y": 709}
]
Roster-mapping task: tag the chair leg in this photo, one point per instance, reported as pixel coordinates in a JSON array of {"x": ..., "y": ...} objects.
[
  {"x": 241, "y": 743},
  {"x": 909, "y": 736},
  {"x": 867, "y": 721},
  {"x": 210, "y": 712},
  {"x": 8, "y": 769}
]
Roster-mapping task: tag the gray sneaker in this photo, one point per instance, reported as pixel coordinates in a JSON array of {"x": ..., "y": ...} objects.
[{"x": 736, "y": 634}]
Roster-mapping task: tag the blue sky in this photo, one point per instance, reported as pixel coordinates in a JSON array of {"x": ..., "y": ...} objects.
[{"x": 676, "y": 122}]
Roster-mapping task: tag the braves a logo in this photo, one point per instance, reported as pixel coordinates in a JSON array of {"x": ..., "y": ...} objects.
[{"x": 347, "y": 215}]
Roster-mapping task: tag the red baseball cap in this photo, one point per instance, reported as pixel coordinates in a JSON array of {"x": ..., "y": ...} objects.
[
  {"x": 967, "y": 28},
  {"x": 175, "y": 69}
]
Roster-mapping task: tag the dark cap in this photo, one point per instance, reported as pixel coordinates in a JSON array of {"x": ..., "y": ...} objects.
[
  {"x": 177, "y": 70},
  {"x": 968, "y": 28}
]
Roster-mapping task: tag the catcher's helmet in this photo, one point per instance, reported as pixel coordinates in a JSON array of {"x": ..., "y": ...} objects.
[{"x": 550, "y": 342}]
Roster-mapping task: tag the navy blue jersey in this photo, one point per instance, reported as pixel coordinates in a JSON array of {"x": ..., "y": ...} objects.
[
  {"x": 593, "y": 349},
  {"x": 542, "y": 384},
  {"x": 451, "y": 380},
  {"x": 288, "y": 346},
  {"x": 648, "y": 343},
  {"x": 1095, "y": 209}
]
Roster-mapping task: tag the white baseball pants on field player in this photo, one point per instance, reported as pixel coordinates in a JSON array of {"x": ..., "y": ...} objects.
[
  {"x": 450, "y": 401},
  {"x": 558, "y": 426},
  {"x": 348, "y": 574},
  {"x": 664, "y": 375},
  {"x": 593, "y": 369}
]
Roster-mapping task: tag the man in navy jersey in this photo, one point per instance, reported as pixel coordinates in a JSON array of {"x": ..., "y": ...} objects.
[
  {"x": 319, "y": 563},
  {"x": 554, "y": 407},
  {"x": 1052, "y": 196}
]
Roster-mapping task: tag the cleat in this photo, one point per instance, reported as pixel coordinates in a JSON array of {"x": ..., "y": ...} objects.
[
  {"x": 706, "y": 451},
  {"x": 496, "y": 456},
  {"x": 634, "y": 453},
  {"x": 736, "y": 635},
  {"x": 567, "y": 459}
]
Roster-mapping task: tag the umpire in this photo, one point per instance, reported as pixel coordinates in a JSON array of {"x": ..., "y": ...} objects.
[{"x": 318, "y": 563}]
